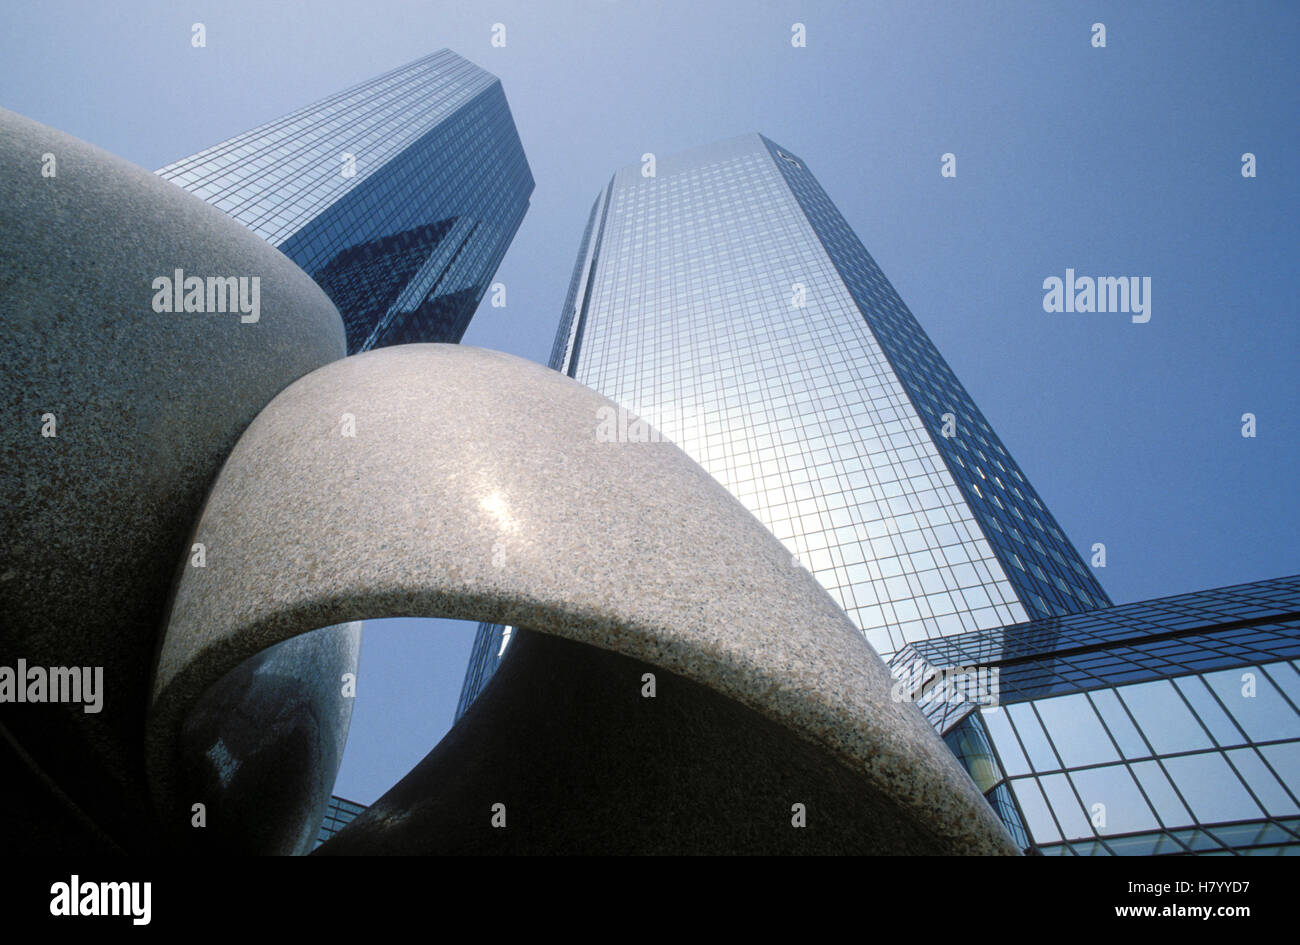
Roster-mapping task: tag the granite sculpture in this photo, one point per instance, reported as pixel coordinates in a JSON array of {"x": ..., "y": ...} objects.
[{"x": 203, "y": 497}]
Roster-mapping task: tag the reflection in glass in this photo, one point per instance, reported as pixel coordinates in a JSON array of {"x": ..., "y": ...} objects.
[
  {"x": 1164, "y": 718},
  {"x": 1211, "y": 788},
  {"x": 1037, "y": 814},
  {"x": 1075, "y": 730},
  {"x": 1123, "y": 810},
  {"x": 1256, "y": 705},
  {"x": 1270, "y": 792}
]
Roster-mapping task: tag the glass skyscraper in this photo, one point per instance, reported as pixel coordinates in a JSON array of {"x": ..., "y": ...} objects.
[
  {"x": 725, "y": 300},
  {"x": 398, "y": 196}
]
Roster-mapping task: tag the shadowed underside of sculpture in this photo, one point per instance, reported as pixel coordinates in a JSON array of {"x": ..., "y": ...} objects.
[
  {"x": 582, "y": 761},
  {"x": 439, "y": 480}
]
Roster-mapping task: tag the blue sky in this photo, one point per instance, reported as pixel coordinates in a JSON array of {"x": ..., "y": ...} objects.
[{"x": 1116, "y": 161}]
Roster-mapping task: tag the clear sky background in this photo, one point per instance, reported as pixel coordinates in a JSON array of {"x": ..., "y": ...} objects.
[{"x": 1117, "y": 161}]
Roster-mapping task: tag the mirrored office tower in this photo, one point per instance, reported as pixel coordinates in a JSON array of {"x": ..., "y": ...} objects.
[
  {"x": 725, "y": 300},
  {"x": 398, "y": 196}
]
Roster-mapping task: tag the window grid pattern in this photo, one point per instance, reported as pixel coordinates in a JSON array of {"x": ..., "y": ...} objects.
[
  {"x": 691, "y": 316},
  {"x": 276, "y": 177},
  {"x": 562, "y": 349},
  {"x": 1191, "y": 746},
  {"x": 338, "y": 814},
  {"x": 1170, "y": 636},
  {"x": 485, "y": 656},
  {"x": 681, "y": 307},
  {"x": 1046, "y": 570},
  {"x": 1188, "y": 765},
  {"x": 440, "y": 188}
]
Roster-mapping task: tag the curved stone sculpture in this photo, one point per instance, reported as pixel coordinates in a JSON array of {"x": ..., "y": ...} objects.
[
  {"x": 118, "y": 414},
  {"x": 263, "y": 746},
  {"x": 439, "y": 480}
]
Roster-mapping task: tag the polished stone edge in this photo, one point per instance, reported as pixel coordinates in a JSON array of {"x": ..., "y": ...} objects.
[{"x": 682, "y": 576}]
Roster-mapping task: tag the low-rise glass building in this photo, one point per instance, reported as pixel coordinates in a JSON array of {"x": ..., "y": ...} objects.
[{"x": 1166, "y": 726}]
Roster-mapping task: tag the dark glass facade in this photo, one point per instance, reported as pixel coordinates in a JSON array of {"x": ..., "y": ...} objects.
[
  {"x": 398, "y": 196},
  {"x": 1166, "y": 726},
  {"x": 1048, "y": 574},
  {"x": 489, "y": 648},
  {"x": 338, "y": 814}
]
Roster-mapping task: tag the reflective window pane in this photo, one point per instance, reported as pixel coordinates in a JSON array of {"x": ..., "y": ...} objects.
[
  {"x": 1032, "y": 737},
  {"x": 1076, "y": 731},
  {"x": 1164, "y": 718},
  {"x": 1122, "y": 809},
  {"x": 1209, "y": 710},
  {"x": 1037, "y": 815},
  {"x": 1069, "y": 812},
  {"x": 1004, "y": 740},
  {"x": 1211, "y": 788},
  {"x": 1261, "y": 781},
  {"x": 1255, "y": 703},
  {"x": 1119, "y": 724},
  {"x": 1172, "y": 811}
]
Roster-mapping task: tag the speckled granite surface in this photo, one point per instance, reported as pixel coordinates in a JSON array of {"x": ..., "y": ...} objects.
[
  {"x": 147, "y": 405},
  {"x": 476, "y": 486}
]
